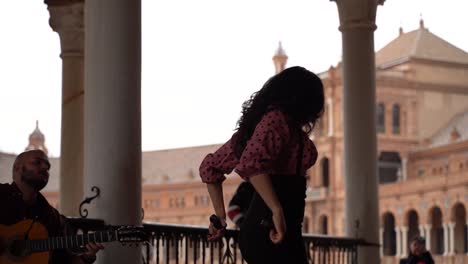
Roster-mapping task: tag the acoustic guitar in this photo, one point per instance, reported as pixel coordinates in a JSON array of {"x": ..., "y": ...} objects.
[{"x": 27, "y": 242}]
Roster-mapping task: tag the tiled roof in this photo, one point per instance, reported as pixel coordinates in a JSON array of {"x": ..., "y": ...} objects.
[
  {"x": 162, "y": 166},
  {"x": 422, "y": 44},
  {"x": 458, "y": 124},
  {"x": 174, "y": 165}
]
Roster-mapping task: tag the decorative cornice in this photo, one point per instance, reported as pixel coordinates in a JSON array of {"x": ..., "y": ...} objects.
[
  {"x": 357, "y": 14},
  {"x": 401, "y": 83},
  {"x": 440, "y": 150},
  {"x": 68, "y": 21}
]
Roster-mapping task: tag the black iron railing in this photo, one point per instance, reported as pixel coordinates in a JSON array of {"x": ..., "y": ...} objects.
[{"x": 170, "y": 243}]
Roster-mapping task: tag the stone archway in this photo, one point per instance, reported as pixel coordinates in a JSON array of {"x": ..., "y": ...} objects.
[
  {"x": 413, "y": 225},
  {"x": 323, "y": 225},
  {"x": 460, "y": 229},
  {"x": 389, "y": 235},
  {"x": 437, "y": 231}
]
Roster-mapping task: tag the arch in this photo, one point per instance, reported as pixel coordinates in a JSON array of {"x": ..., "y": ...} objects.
[
  {"x": 396, "y": 119},
  {"x": 325, "y": 171},
  {"x": 380, "y": 118},
  {"x": 412, "y": 219},
  {"x": 437, "y": 231},
  {"x": 323, "y": 225},
  {"x": 389, "y": 235},
  {"x": 389, "y": 165},
  {"x": 460, "y": 232}
]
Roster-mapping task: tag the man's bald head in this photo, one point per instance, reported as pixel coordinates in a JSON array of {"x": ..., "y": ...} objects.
[{"x": 27, "y": 155}]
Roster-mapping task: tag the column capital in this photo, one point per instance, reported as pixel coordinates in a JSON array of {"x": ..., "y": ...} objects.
[
  {"x": 357, "y": 14},
  {"x": 66, "y": 18}
]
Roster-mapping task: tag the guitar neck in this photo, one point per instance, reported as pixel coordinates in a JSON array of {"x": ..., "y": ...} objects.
[{"x": 67, "y": 242}]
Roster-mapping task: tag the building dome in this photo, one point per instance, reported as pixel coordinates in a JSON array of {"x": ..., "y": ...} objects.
[{"x": 37, "y": 140}]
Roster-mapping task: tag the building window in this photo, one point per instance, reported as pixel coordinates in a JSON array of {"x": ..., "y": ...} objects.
[
  {"x": 437, "y": 231},
  {"x": 325, "y": 172},
  {"x": 380, "y": 118},
  {"x": 389, "y": 235},
  {"x": 396, "y": 119},
  {"x": 389, "y": 165},
  {"x": 323, "y": 225}
]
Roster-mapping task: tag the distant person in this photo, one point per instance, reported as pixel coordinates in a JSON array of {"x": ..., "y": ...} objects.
[
  {"x": 240, "y": 202},
  {"x": 23, "y": 208},
  {"x": 418, "y": 252},
  {"x": 272, "y": 150}
]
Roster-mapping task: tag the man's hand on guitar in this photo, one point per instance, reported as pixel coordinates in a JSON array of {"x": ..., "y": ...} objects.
[{"x": 91, "y": 249}]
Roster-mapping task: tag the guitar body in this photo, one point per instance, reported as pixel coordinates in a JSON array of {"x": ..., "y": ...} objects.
[{"x": 17, "y": 231}]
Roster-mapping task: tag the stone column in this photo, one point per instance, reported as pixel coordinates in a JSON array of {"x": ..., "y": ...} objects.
[
  {"x": 451, "y": 242},
  {"x": 398, "y": 241},
  {"x": 446, "y": 239},
  {"x": 357, "y": 25},
  {"x": 404, "y": 168},
  {"x": 113, "y": 117},
  {"x": 67, "y": 21},
  {"x": 428, "y": 236},
  {"x": 422, "y": 231},
  {"x": 404, "y": 240}
]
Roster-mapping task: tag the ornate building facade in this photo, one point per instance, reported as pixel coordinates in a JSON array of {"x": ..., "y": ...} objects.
[{"x": 422, "y": 125}]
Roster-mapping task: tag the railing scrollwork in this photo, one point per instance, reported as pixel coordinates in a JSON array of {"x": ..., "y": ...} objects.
[{"x": 87, "y": 200}]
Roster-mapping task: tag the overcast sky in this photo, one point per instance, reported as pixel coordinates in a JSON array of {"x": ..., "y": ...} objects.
[{"x": 200, "y": 60}]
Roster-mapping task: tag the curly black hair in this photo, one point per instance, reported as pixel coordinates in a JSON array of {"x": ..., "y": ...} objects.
[{"x": 295, "y": 91}]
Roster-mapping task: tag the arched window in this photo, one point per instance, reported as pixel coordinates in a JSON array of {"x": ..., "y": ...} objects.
[
  {"x": 437, "y": 231},
  {"x": 413, "y": 225},
  {"x": 380, "y": 118},
  {"x": 305, "y": 225},
  {"x": 325, "y": 172},
  {"x": 389, "y": 235},
  {"x": 396, "y": 119},
  {"x": 323, "y": 225},
  {"x": 460, "y": 232}
]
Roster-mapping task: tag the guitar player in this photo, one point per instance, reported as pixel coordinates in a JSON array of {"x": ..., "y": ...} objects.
[{"x": 22, "y": 200}]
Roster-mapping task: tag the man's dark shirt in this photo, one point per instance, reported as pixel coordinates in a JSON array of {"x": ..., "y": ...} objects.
[
  {"x": 13, "y": 209},
  {"x": 424, "y": 258}
]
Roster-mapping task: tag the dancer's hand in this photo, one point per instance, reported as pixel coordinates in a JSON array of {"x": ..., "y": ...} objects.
[
  {"x": 278, "y": 233},
  {"x": 216, "y": 233}
]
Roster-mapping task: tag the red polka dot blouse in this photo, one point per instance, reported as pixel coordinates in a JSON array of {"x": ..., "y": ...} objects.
[{"x": 272, "y": 149}]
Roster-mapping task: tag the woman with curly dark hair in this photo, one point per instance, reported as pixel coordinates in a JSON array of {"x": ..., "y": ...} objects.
[{"x": 271, "y": 149}]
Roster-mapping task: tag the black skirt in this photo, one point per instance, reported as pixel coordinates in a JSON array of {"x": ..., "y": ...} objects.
[{"x": 254, "y": 237}]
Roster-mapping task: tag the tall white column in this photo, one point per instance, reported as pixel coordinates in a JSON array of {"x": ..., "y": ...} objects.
[
  {"x": 446, "y": 239},
  {"x": 428, "y": 236},
  {"x": 67, "y": 21},
  {"x": 451, "y": 235},
  {"x": 404, "y": 169},
  {"x": 398, "y": 241},
  {"x": 357, "y": 25},
  {"x": 113, "y": 117},
  {"x": 404, "y": 240},
  {"x": 422, "y": 232}
]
